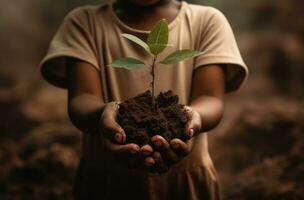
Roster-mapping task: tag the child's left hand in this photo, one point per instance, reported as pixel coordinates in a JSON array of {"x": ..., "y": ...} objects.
[{"x": 167, "y": 154}]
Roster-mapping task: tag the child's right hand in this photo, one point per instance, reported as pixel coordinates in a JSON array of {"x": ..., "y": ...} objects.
[
  {"x": 113, "y": 135},
  {"x": 114, "y": 138}
]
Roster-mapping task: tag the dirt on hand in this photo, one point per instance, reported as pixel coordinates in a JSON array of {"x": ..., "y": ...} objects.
[{"x": 140, "y": 122}]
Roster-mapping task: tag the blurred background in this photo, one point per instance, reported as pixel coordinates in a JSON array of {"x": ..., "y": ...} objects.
[{"x": 258, "y": 149}]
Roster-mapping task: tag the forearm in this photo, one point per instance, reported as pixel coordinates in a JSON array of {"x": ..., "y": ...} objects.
[
  {"x": 85, "y": 111},
  {"x": 210, "y": 109}
]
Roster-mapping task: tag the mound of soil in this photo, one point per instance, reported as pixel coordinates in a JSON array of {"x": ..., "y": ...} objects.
[{"x": 141, "y": 122}]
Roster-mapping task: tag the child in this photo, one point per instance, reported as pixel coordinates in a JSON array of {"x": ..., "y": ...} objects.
[{"x": 88, "y": 40}]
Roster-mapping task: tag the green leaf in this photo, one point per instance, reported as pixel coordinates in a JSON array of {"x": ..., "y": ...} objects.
[
  {"x": 127, "y": 63},
  {"x": 158, "y": 37},
  {"x": 137, "y": 40},
  {"x": 181, "y": 55}
]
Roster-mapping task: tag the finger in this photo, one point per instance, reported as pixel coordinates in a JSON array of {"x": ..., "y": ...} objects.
[
  {"x": 149, "y": 161},
  {"x": 113, "y": 131},
  {"x": 160, "y": 143},
  {"x": 163, "y": 147},
  {"x": 146, "y": 150},
  {"x": 160, "y": 166},
  {"x": 157, "y": 157},
  {"x": 179, "y": 147},
  {"x": 194, "y": 123},
  {"x": 118, "y": 149},
  {"x": 110, "y": 127}
]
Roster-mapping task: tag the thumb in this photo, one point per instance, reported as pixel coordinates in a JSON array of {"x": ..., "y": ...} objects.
[
  {"x": 194, "y": 123},
  {"x": 110, "y": 128}
]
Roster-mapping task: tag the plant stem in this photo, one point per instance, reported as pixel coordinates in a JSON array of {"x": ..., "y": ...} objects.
[{"x": 152, "y": 83}]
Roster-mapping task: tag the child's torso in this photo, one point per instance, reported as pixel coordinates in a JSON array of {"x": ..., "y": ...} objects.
[
  {"x": 194, "y": 177},
  {"x": 120, "y": 84}
]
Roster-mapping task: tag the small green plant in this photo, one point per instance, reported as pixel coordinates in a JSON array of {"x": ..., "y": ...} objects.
[{"x": 157, "y": 41}]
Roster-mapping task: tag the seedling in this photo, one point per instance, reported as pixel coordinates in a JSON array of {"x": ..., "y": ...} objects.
[{"x": 156, "y": 43}]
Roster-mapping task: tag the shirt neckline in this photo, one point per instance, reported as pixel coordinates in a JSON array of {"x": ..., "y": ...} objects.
[{"x": 127, "y": 28}]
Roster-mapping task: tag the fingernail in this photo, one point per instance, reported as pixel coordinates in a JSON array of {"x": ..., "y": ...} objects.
[
  {"x": 118, "y": 137},
  {"x": 175, "y": 145},
  {"x": 156, "y": 156},
  {"x": 135, "y": 150},
  {"x": 157, "y": 143},
  {"x": 146, "y": 151},
  {"x": 149, "y": 162},
  {"x": 191, "y": 132}
]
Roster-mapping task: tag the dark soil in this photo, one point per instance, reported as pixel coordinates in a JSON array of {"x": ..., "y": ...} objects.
[{"x": 141, "y": 122}]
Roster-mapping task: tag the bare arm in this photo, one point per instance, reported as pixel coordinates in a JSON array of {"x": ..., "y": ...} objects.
[
  {"x": 88, "y": 111},
  {"x": 207, "y": 95},
  {"x": 85, "y": 101}
]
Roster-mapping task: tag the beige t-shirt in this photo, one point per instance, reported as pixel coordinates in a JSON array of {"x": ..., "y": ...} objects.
[{"x": 93, "y": 34}]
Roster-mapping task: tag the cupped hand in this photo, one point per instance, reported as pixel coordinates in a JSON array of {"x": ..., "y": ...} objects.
[
  {"x": 113, "y": 135},
  {"x": 114, "y": 139},
  {"x": 169, "y": 153}
]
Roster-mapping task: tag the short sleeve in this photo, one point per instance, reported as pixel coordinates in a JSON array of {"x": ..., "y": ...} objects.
[
  {"x": 218, "y": 45},
  {"x": 73, "y": 39}
]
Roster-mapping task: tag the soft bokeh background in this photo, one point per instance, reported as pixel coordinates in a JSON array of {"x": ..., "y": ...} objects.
[{"x": 257, "y": 149}]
